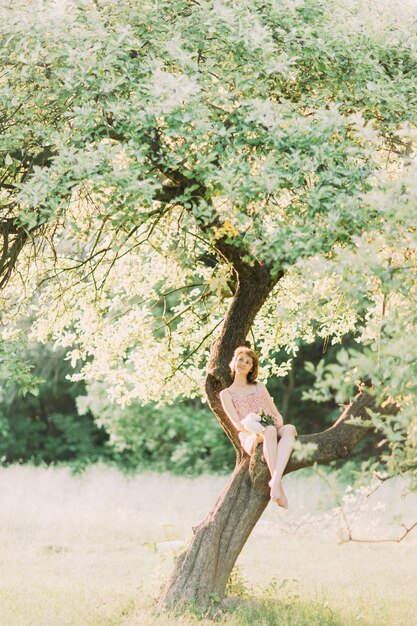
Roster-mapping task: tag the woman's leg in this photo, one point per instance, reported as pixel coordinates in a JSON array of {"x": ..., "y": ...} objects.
[
  {"x": 270, "y": 447},
  {"x": 286, "y": 436}
]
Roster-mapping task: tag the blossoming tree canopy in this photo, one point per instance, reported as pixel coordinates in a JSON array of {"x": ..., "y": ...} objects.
[{"x": 152, "y": 153}]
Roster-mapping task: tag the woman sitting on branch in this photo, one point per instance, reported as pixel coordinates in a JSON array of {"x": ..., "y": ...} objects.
[{"x": 242, "y": 402}]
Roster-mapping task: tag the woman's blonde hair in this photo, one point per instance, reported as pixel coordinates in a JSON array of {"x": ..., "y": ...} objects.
[{"x": 253, "y": 374}]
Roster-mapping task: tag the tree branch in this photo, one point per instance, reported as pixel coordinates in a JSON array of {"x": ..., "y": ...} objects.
[
  {"x": 337, "y": 441},
  {"x": 406, "y": 531},
  {"x": 332, "y": 444}
]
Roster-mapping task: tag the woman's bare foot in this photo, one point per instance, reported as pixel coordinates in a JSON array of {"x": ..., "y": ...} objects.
[
  {"x": 282, "y": 500},
  {"x": 275, "y": 492},
  {"x": 278, "y": 493}
]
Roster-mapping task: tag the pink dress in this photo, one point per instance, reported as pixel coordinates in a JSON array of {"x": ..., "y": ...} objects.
[{"x": 253, "y": 402}]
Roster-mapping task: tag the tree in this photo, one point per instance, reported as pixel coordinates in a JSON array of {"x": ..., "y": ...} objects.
[
  {"x": 45, "y": 427},
  {"x": 194, "y": 171}
]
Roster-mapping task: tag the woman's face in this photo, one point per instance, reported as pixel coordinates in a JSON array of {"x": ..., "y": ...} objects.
[{"x": 243, "y": 363}]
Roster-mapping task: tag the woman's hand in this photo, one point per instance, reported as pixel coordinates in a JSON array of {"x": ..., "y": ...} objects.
[{"x": 252, "y": 423}]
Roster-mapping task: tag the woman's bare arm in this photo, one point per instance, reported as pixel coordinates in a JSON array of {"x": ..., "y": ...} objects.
[{"x": 229, "y": 409}]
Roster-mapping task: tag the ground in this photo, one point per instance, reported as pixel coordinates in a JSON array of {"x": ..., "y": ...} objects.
[{"x": 94, "y": 550}]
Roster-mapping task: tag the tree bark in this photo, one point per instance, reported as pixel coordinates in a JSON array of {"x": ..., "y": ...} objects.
[{"x": 202, "y": 571}]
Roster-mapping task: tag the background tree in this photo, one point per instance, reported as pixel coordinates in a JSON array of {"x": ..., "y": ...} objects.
[
  {"x": 185, "y": 172},
  {"x": 44, "y": 427}
]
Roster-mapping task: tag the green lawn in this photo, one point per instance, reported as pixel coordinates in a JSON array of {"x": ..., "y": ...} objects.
[{"x": 95, "y": 550}]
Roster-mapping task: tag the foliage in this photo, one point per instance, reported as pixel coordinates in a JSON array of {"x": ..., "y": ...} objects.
[
  {"x": 182, "y": 439},
  {"x": 15, "y": 369},
  {"x": 237, "y": 585},
  {"x": 48, "y": 428},
  {"x": 64, "y": 422},
  {"x": 45, "y": 428},
  {"x": 282, "y": 132}
]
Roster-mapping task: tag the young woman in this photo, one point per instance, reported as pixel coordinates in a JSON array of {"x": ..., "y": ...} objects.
[{"x": 246, "y": 395}]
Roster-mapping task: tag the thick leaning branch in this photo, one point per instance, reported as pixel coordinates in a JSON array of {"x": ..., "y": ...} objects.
[
  {"x": 13, "y": 235},
  {"x": 254, "y": 284},
  {"x": 337, "y": 441}
]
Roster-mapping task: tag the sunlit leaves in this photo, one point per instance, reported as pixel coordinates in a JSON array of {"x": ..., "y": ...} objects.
[{"x": 142, "y": 136}]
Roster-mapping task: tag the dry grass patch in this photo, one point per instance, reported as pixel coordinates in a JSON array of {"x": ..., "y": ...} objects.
[{"x": 95, "y": 549}]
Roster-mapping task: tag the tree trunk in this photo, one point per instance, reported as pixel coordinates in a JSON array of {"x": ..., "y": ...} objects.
[{"x": 202, "y": 571}]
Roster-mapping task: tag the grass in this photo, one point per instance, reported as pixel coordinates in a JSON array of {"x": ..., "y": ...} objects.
[{"x": 94, "y": 550}]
